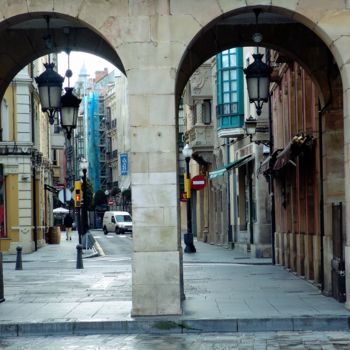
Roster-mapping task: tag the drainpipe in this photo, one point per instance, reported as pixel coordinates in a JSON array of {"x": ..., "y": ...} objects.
[
  {"x": 272, "y": 190},
  {"x": 271, "y": 183},
  {"x": 320, "y": 137},
  {"x": 35, "y": 228},
  {"x": 229, "y": 225}
]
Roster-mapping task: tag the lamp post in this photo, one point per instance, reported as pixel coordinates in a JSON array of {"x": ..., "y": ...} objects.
[
  {"x": 69, "y": 111},
  {"x": 258, "y": 81},
  {"x": 250, "y": 126},
  {"x": 188, "y": 237},
  {"x": 50, "y": 90},
  {"x": 83, "y": 168}
]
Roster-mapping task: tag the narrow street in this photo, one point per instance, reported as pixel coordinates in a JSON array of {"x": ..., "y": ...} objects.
[{"x": 113, "y": 244}]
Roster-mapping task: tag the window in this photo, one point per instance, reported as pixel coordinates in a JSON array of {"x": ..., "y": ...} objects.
[
  {"x": 206, "y": 112},
  {"x": 230, "y": 81},
  {"x": 55, "y": 157}
]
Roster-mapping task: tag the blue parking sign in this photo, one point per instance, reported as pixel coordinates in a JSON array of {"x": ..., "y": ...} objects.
[{"x": 124, "y": 164}]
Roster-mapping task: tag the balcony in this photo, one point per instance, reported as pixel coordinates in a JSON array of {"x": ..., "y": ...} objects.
[
  {"x": 201, "y": 139},
  {"x": 230, "y": 122}
]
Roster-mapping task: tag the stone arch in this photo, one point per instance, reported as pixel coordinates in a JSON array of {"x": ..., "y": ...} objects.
[
  {"x": 28, "y": 30},
  {"x": 300, "y": 37},
  {"x": 235, "y": 28}
]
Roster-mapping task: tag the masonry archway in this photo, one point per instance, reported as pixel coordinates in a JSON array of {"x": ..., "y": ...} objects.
[
  {"x": 151, "y": 38},
  {"x": 289, "y": 34}
]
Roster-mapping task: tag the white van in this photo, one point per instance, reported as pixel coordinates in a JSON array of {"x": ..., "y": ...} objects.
[{"x": 116, "y": 221}]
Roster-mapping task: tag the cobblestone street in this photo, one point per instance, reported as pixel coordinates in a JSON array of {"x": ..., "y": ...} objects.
[{"x": 240, "y": 341}]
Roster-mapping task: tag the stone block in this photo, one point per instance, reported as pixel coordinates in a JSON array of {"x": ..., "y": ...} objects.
[
  {"x": 195, "y": 9},
  {"x": 157, "y": 81},
  {"x": 308, "y": 261},
  {"x": 229, "y": 5},
  {"x": 152, "y": 110},
  {"x": 321, "y": 12},
  {"x": 331, "y": 24},
  {"x": 321, "y": 324},
  {"x": 328, "y": 256},
  {"x": 155, "y": 238},
  {"x": 265, "y": 324},
  {"x": 149, "y": 196},
  {"x": 180, "y": 28},
  {"x": 153, "y": 139},
  {"x": 154, "y": 178},
  {"x": 151, "y": 217},
  {"x": 101, "y": 15},
  {"x": 156, "y": 283},
  {"x": 148, "y": 8},
  {"x": 300, "y": 253},
  {"x": 261, "y": 250}
]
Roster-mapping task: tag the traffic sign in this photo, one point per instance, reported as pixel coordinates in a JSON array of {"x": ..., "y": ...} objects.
[
  {"x": 198, "y": 182},
  {"x": 68, "y": 195},
  {"x": 110, "y": 202}
]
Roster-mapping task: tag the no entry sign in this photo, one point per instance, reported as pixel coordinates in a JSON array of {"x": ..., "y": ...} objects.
[{"x": 198, "y": 182}]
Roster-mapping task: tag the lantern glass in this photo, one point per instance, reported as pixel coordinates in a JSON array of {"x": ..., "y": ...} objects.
[
  {"x": 69, "y": 116},
  {"x": 258, "y": 79},
  {"x": 250, "y": 125},
  {"x": 69, "y": 110},
  {"x": 83, "y": 164},
  {"x": 187, "y": 151},
  {"x": 50, "y": 88},
  {"x": 50, "y": 97}
]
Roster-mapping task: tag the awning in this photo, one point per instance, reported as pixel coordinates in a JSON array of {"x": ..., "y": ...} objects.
[
  {"x": 268, "y": 164},
  {"x": 285, "y": 157},
  {"x": 221, "y": 171}
]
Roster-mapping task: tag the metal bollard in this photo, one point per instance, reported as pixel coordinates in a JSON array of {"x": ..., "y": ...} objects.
[
  {"x": 19, "y": 258},
  {"x": 1, "y": 281},
  {"x": 80, "y": 257}
]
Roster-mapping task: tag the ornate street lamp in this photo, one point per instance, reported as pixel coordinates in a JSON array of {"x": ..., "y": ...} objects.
[
  {"x": 258, "y": 81},
  {"x": 188, "y": 237},
  {"x": 69, "y": 111},
  {"x": 258, "y": 73},
  {"x": 250, "y": 126},
  {"x": 50, "y": 90}
]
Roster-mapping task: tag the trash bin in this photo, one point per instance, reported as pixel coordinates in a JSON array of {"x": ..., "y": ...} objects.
[{"x": 54, "y": 235}]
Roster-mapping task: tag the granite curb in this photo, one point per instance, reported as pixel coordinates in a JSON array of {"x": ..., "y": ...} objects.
[{"x": 176, "y": 326}]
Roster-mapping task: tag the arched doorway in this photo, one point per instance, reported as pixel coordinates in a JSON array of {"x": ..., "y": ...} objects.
[{"x": 305, "y": 47}]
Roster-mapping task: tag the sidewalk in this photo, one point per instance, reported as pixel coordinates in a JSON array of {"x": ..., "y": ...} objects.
[{"x": 225, "y": 290}]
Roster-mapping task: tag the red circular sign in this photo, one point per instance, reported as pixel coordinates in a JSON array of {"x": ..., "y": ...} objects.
[
  {"x": 198, "y": 182},
  {"x": 110, "y": 202}
]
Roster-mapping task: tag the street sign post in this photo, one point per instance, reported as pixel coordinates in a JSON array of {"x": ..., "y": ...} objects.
[{"x": 198, "y": 182}]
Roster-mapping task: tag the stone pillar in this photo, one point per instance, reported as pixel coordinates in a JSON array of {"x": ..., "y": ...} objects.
[
  {"x": 262, "y": 226},
  {"x": 156, "y": 273}
]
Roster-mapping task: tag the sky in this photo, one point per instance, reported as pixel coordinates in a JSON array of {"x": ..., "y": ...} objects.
[{"x": 77, "y": 59}]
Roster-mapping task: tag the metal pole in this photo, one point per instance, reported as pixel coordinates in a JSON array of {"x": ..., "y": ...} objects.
[
  {"x": 84, "y": 216},
  {"x": 1, "y": 281},
  {"x": 78, "y": 223},
  {"x": 188, "y": 237}
]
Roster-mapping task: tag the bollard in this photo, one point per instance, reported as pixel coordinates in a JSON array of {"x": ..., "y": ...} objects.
[
  {"x": 19, "y": 258},
  {"x": 1, "y": 281},
  {"x": 80, "y": 257}
]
